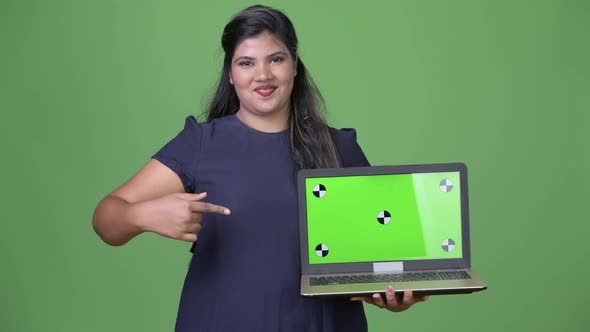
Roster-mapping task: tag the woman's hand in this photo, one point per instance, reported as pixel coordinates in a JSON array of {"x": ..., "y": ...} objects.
[
  {"x": 177, "y": 216},
  {"x": 153, "y": 200},
  {"x": 394, "y": 303}
]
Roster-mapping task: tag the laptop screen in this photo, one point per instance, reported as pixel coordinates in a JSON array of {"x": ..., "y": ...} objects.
[{"x": 385, "y": 217}]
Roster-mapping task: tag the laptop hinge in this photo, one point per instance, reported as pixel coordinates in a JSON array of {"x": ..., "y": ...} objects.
[{"x": 388, "y": 267}]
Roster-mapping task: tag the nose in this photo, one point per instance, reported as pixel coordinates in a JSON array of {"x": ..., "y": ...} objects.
[{"x": 263, "y": 72}]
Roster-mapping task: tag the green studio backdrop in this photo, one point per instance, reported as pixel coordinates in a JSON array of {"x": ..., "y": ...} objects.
[{"x": 91, "y": 89}]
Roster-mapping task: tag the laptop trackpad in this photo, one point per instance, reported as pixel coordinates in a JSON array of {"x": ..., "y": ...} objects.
[{"x": 388, "y": 267}]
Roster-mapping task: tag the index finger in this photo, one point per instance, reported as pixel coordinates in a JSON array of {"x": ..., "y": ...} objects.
[{"x": 209, "y": 208}]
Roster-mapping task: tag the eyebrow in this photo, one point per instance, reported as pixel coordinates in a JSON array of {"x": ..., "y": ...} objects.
[{"x": 245, "y": 57}]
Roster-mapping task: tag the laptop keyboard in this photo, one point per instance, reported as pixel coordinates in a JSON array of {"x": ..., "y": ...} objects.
[{"x": 397, "y": 277}]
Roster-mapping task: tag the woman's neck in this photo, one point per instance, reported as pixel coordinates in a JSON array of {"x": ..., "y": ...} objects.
[{"x": 268, "y": 123}]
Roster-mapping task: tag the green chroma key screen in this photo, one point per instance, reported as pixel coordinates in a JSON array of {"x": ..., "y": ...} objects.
[{"x": 371, "y": 218}]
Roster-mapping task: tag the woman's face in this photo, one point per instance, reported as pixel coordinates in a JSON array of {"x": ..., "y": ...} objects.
[{"x": 262, "y": 72}]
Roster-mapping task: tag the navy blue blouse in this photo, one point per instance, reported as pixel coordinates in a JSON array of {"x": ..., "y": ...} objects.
[{"x": 245, "y": 271}]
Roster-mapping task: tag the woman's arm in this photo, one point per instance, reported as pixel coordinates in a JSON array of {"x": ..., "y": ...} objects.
[{"x": 153, "y": 200}]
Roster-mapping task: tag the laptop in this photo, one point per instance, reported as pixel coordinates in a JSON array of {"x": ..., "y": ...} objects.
[{"x": 365, "y": 228}]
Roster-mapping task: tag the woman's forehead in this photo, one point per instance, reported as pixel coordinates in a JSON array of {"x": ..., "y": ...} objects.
[{"x": 262, "y": 44}]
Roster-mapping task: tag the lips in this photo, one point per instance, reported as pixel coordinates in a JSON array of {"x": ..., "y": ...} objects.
[{"x": 265, "y": 90}]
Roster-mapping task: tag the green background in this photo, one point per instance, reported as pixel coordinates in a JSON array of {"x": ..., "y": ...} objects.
[{"x": 90, "y": 89}]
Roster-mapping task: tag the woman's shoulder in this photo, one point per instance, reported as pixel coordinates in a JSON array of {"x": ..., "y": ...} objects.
[
  {"x": 343, "y": 135},
  {"x": 193, "y": 126},
  {"x": 348, "y": 147}
]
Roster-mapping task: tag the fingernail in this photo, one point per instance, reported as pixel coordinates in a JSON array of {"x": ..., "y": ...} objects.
[
  {"x": 389, "y": 290},
  {"x": 226, "y": 211}
]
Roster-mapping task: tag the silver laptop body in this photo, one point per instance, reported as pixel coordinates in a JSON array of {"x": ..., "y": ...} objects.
[{"x": 363, "y": 229}]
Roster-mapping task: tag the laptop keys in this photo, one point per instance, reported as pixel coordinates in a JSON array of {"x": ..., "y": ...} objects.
[{"x": 397, "y": 277}]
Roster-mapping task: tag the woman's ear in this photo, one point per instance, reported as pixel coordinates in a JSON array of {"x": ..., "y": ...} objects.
[
  {"x": 295, "y": 60},
  {"x": 231, "y": 80}
]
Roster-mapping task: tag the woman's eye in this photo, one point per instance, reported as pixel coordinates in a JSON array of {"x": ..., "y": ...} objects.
[
  {"x": 276, "y": 59},
  {"x": 245, "y": 63}
]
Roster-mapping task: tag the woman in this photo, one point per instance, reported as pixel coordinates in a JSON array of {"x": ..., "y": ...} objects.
[{"x": 264, "y": 123}]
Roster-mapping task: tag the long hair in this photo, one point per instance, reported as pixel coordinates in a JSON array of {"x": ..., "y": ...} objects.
[{"x": 312, "y": 145}]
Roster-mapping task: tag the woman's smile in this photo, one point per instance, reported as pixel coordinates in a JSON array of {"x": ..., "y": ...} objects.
[{"x": 265, "y": 90}]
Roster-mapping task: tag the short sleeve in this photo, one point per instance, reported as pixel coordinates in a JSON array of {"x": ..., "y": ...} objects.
[
  {"x": 181, "y": 154},
  {"x": 351, "y": 154}
]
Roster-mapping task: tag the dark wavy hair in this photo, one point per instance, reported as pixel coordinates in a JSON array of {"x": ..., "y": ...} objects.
[{"x": 312, "y": 145}]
